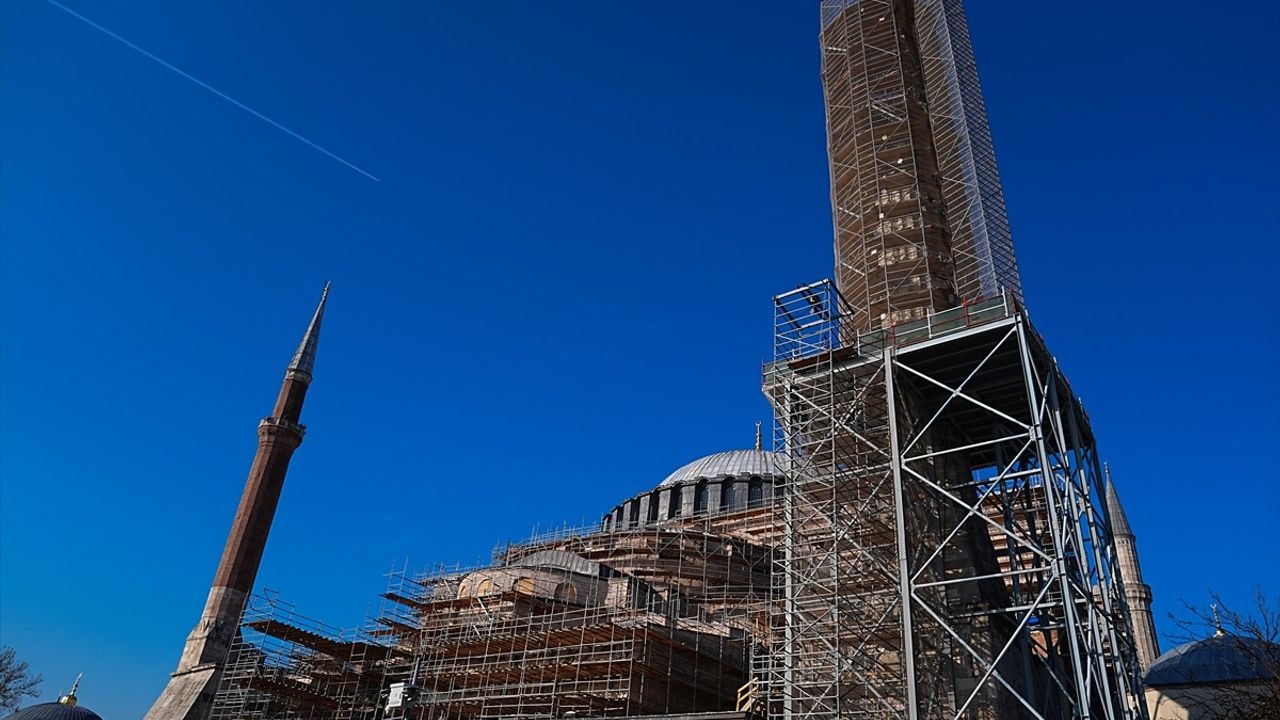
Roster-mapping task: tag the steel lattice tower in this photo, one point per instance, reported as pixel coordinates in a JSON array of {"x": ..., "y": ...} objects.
[{"x": 946, "y": 551}]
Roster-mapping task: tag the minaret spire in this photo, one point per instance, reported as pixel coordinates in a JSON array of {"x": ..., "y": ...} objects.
[
  {"x": 304, "y": 360},
  {"x": 189, "y": 694},
  {"x": 1137, "y": 594},
  {"x": 1115, "y": 511}
]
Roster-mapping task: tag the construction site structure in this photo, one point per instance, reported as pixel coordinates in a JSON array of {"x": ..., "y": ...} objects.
[
  {"x": 927, "y": 538},
  {"x": 946, "y": 552},
  {"x": 633, "y": 619}
]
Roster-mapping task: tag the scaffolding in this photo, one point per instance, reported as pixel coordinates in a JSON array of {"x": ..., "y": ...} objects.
[
  {"x": 933, "y": 546},
  {"x": 945, "y": 552},
  {"x": 285, "y": 665},
  {"x": 598, "y": 622},
  {"x": 982, "y": 245},
  {"x": 917, "y": 207}
]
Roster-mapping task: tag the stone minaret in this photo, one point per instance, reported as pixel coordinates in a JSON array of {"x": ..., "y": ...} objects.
[
  {"x": 189, "y": 694},
  {"x": 1137, "y": 594}
]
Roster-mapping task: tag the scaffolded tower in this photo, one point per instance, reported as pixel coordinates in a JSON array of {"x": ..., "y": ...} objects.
[
  {"x": 945, "y": 552},
  {"x": 917, "y": 207}
]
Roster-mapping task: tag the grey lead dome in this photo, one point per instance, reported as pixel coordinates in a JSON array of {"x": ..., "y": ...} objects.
[
  {"x": 733, "y": 463},
  {"x": 1219, "y": 659},
  {"x": 726, "y": 482}
]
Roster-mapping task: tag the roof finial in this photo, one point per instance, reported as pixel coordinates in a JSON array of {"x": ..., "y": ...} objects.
[
  {"x": 70, "y": 698},
  {"x": 1217, "y": 622},
  {"x": 304, "y": 360},
  {"x": 759, "y": 437}
]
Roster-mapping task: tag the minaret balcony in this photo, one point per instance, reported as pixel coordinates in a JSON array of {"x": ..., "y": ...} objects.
[{"x": 276, "y": 422}]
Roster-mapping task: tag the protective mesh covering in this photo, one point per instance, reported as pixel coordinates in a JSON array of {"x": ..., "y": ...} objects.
[
  {"x": 918, "y": 212},
  {"x": 985, "y": 263}
]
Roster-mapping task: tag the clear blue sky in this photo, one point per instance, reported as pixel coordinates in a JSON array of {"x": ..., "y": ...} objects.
[{"x": 559, "y": 291}]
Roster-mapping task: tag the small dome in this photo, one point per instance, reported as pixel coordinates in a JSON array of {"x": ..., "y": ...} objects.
[
  {"x": 734, "y": 463},
  {"x": 54, "y": 711},
  {"x": 1222, "y": 658}
]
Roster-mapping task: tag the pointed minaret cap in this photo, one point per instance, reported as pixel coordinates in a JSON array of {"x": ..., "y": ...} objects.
[
  {"x": 304, "y": 360},
  {"x": 1115, "y": 511}
]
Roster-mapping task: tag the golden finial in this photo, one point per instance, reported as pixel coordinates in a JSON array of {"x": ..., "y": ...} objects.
[
  {"x": 1217, "y": 622},
  {"x": 759, "y": 437},
  {"x": 70, "y": 698}
]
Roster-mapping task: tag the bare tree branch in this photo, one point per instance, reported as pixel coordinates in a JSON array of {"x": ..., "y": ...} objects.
[
  {"x": 1254, "y": 638},
  {"x": 16, "y": 681}
]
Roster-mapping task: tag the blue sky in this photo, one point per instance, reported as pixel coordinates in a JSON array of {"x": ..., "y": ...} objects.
[{"x": 559, "y": 291}]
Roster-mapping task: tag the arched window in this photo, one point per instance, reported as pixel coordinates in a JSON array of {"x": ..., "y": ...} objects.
[
  {"x": 653, "y": 508},
  {"x": 525, "y": 586},
  {"x": 755, "y": 492},
  {"x": 726, "y": 493},
  {"x": 566, "y": 592},
  {"x": 673, "y": 506},
  {"x": 633, "y": 512},
  {"x": 484, "y": 588},
  {"x": 700, "y": 497}
]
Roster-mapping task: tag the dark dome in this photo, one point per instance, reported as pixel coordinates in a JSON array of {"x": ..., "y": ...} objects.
[
  {"x": 54, "y": 711},
  {"x": 1222, "y": 658}
]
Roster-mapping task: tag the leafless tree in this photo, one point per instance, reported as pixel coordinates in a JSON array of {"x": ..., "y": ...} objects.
[
  {"x": 16, "y": 681},
  {"x": 1256, "y": 636}
]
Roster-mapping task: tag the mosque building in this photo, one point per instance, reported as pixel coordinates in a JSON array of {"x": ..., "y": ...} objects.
[{"x": 930, "y": 534}]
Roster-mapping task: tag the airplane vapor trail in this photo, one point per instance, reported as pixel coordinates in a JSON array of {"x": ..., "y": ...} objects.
[{"x": 208, "y": 87}]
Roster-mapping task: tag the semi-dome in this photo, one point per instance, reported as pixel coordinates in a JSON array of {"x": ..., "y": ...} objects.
[
  {"x": 733, "y": 463},
  {"x": 1219, "y": 659}
]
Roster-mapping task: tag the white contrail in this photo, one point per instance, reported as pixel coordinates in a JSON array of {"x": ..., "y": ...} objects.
[{"x": 208, "y": 87}]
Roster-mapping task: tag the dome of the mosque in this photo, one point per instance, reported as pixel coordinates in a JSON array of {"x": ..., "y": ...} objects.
[
  {"x": 54, "y": 711},
  {"x": 67, "y": 708},
  {"x": 726, "y": 482},
  {"x": 1219, "y": 659},
  {"x": 733, "y": 463}
]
